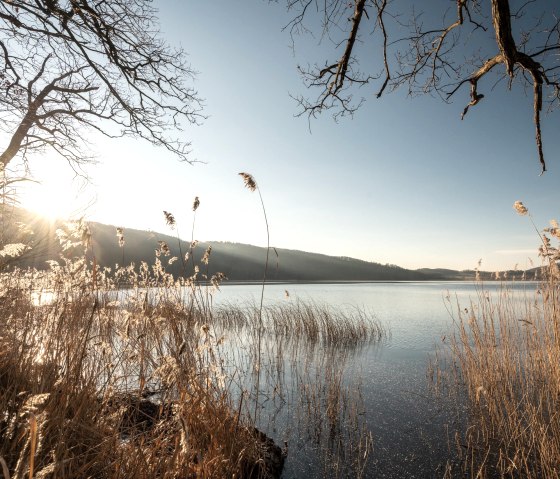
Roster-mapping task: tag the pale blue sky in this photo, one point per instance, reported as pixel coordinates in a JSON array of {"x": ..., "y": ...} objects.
[{"x": 404, "y": 182}]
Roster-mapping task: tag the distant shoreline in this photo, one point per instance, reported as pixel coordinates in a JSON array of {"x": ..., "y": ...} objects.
[{"x": 387, "y": 281}]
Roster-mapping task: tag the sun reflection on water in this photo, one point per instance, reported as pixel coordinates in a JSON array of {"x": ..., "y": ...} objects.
[{"x": 42, "y": 298}]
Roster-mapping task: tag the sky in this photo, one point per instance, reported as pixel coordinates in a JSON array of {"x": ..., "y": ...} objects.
[{"x": 404, "y": 182}]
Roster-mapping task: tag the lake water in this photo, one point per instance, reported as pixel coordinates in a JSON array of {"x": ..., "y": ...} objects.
[{"x": 409, "y": 426}]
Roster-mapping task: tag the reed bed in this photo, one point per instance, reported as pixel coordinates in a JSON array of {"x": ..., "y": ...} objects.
[
  {"x": 331, "y": 417},
  {"x": 91, "y": 386},
  {"x": 503, "y": 361},
  {"x": 307, "y": 321},
  {"x": 306, "y": 389},
  {"x": 156, "y": 382}
]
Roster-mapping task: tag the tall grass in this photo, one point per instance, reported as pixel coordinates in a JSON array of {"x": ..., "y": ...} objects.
[
  {"x": 156, "y": 382},
  {"x": 309, "y": 322},
  {"x": 251, "y": 185},
  {"x": 97, "y": 387},
  {"x": 504, "y": 360}
]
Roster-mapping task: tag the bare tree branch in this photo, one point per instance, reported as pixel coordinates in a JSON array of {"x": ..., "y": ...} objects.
[
  {"x": 67, "y": 66},
  {"x": 430, "y": 58}
]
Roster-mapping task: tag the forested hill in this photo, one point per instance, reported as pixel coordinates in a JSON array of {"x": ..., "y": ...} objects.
[
  {"x": 242, "y": 262},
  {"x": 239, "y": 262}
]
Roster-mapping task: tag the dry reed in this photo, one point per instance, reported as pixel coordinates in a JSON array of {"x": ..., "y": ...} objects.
[
  {"x": 155, "y": 381},
  {"x": 504, "y": 362}
]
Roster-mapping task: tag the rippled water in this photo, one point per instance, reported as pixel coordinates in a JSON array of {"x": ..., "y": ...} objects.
[{"x": 410, "y": 427}]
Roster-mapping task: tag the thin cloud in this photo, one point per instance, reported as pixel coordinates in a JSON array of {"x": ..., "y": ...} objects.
[{"x": 512, "y": 252}]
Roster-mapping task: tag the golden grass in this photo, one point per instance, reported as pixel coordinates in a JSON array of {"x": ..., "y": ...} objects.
[
  {"x": 153, "y": 382},
  {"x": 503, "y": 363},
  {"x": 91, "y": 388},
  {"x": 312, "y": 323}
]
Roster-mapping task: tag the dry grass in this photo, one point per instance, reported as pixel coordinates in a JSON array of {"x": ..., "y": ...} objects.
[
  {"x": 91, "y": 386},
  {"x": 155, "y": 382},
  {"x": 312, "y": 323},
  {"x": 331, "y": 414},
  {"x": 504, "y": 360}
]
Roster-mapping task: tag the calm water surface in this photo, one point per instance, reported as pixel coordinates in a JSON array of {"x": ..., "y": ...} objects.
[{"x": 409, "y": 426}]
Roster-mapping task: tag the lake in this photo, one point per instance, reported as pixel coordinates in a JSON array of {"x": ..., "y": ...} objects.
[{"x": 412, "y": 430}]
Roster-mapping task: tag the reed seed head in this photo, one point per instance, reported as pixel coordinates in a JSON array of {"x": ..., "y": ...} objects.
[
  {"x": 164, "y": 248},
  {"x": 13, "y": 250},
  {"x": 216, "y": 279},
  {"x": 206, "y": 256},
  {"x": 520, "y": 208},
  {"x": 249, "y": 181},
  {"x": 169, "y": 219},
  {"x": 120, "y": 236},
  {"x": 554, "y": 229}
]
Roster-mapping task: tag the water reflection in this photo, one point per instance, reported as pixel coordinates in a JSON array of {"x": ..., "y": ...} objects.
[
  {"x": 412, "y": 431},
  {"x": 42, "y": 297}
]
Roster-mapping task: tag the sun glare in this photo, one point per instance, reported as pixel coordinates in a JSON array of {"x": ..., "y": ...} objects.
[{"x": 51, "y": 200}]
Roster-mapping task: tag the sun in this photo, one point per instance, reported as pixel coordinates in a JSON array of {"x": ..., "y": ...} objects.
[
  {"x": 51, "y": 198},
  {"x": 45, "y": 200}
]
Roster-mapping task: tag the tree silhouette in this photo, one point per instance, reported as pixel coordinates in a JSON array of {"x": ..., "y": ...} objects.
[
  {"x": 72, "y": 65},
  {"x": 427, "y": 56}
]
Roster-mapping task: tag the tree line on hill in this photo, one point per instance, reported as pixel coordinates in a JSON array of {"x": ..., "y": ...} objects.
[{"x": 238, "y": 262}]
